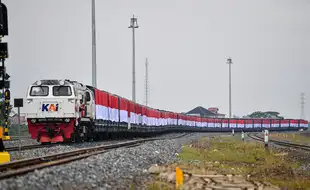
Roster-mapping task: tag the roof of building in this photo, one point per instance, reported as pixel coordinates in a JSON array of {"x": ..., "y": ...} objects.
[{"x": 201, "y": 111}]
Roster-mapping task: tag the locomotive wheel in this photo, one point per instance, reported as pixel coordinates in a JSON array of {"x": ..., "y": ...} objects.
[
  {"x": 67, "y": 140},
  {"x": 74, "y": 137},
  {"x": 38, "y": 137}
]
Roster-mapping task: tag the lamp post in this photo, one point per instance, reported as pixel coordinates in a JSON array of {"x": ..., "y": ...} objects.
[
  {"x": 229, "y": 62},
  {"x": 94, "y": 66},
  {"x": 133, "y": 25}
]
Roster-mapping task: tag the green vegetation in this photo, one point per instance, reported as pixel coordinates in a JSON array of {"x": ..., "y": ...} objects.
[
  {"x": 2, "y": 109},
  {"x": 232, "y": 156},
  {"x": 293, "y": 137},
  {"x": 13, "y": 130},
  {"x": 267, "y": 114}
]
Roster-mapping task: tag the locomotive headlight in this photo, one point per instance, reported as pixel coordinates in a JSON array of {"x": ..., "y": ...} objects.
[
  {"x": 67, "y": 120},
  {"x": 61, "y": 82},
  {"x": 38, "y": 83},
  {"x": 33, "y": 120}
]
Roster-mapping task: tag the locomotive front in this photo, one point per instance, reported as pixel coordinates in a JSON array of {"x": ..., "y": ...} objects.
[{"x": 51, "y": 110}]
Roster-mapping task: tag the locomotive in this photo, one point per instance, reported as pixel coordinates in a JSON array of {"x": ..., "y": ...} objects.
[
  {"x": 66, "y": 111},
  {"x": 54, "y": 109}
]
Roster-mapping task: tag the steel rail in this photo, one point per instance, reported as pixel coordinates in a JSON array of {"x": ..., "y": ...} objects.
[
  {"x": 16, "y": 138},
  {"x": 27, "y": 147},
  {"x": 281, "y": 143},
  {"x": 35, "y": 146},
  {"x": 24, "y": 166}
]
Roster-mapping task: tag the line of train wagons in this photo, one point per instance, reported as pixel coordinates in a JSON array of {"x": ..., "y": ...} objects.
[{"x": 121, "y": 112}]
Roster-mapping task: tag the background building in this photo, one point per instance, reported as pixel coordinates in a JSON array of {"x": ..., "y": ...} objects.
[
  {"x": 216, "y": 112},
  {"x": 203, "y": 112}
]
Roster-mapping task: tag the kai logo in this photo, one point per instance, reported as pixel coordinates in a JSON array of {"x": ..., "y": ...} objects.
[{"x": 49, "y": 107}]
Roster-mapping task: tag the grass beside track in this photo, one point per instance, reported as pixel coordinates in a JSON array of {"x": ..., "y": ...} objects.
[
  {"x": 292, "y": 137},
  {"x": 229, "y": 155}
]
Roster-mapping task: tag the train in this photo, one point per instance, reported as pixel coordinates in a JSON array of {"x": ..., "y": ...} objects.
[{"x": 63, "y": 110}]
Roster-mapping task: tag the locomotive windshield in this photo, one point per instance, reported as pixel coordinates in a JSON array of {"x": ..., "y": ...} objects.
[
  {"x": 39, "y": 91},
  {"x": 62, "y": 91}
]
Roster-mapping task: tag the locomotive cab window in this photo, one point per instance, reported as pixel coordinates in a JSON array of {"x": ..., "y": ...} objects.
[
  {"x": 87, "y": 97},
  {"x": 62, "y": 91},
  {"x": 39, "y": 91}
]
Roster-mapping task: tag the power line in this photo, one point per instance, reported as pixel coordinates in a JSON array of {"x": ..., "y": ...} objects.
[{"x": 146, "y": 83}]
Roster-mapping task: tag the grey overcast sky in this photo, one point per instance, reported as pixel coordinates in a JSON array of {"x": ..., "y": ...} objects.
[{"x": 187, "y": 44}]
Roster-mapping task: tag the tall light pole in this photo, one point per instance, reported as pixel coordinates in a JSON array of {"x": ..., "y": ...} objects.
[
  {"x": 229, "y": 62},
  {"x": 302, "y": 105},
  {"x": 94, "y": 66},
  {"x": 133, "y": 25},
  {"x": 146, "y": 82}
]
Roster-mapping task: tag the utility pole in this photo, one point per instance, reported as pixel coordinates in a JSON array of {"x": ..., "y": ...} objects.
[
  {"x": 146, "y": 83},
  {"x": 229, "y": 62},
  {"x": 302, "y": 105},
  {"x": 94, "y": 66},
  {"x": 133, "y": 25}
]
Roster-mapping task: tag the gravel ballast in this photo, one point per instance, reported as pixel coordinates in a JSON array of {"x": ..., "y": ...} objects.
[
  {"x": 30, "y": 153},
  {"x": 16, "y": 155},
  {"x": 111, "y": 170},
  {"x": 16, "y": 142}
]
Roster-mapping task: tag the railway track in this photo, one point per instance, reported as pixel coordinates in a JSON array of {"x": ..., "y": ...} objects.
[
  {"x": 20, "y": 167},
  {"x": 281, "y": 143},
  {"x": 27, "y": 147},
  {"x": 35, "y": 146},
  {"x": 16, "y": 138}
]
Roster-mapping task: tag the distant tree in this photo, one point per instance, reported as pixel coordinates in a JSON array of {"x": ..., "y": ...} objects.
[
  {"x": 267, "y": 114},
  {"x": 2, "y": 109}
]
